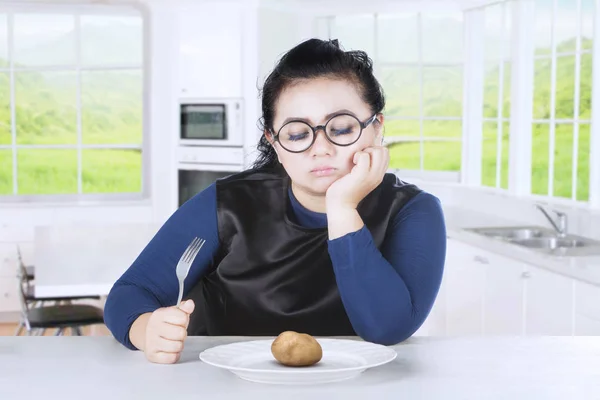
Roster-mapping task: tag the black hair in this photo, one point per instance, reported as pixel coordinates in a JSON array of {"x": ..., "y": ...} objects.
[{"x": 315, "y": 58}]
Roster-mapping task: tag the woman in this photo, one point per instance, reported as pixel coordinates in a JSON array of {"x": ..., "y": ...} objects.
[{"x": 316, "y": 238}]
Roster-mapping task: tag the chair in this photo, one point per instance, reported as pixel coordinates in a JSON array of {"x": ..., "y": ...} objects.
[
  {"x": 36, "y": 316},
  {"x": 30, "y": 269},
  {"x": 37, "y": 319}
]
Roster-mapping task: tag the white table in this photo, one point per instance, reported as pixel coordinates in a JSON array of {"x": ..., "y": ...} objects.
[{"x": 426, "y": 368}]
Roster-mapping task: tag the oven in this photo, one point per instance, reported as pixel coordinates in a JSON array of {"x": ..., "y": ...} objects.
[{"x": 198, "y": 168}]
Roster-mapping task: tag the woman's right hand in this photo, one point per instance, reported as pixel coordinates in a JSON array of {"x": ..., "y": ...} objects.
[{"x": 165, "y": 332}]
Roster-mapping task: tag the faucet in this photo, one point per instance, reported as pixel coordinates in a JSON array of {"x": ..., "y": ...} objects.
[{"x": 561, "y": 227}]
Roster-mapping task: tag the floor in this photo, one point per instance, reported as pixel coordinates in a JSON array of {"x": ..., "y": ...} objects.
[{"x": 96, "y": 330}]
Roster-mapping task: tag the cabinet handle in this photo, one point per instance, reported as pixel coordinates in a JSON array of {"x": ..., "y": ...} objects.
[
  {"x": 481, "y": 260},
  {"x": 526, "y": 274}
]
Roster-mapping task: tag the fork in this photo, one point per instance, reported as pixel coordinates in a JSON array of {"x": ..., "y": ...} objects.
[{"x": 185, "y": 262}]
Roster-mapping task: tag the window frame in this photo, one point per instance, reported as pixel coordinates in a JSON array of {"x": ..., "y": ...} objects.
[
  {"x": 500, "y": 119},
  {"x": 118, "y": 10},
  {"x": 574, "y": 121},
  {"x": 523, "y": 57},
  {"x": 325, "y": 22}
]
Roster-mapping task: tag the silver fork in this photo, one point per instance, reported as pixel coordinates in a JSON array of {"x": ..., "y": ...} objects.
[{"x": 185, "y": 262}]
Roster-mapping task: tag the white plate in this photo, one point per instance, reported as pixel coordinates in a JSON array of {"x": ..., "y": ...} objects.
[{"x": 342, "y": 359}]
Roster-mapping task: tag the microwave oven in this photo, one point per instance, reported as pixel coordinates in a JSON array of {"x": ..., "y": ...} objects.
[{"x": 211, "y": 122}]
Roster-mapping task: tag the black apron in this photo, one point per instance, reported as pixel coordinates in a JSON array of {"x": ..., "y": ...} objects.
[{"x": 272, "y": 275}]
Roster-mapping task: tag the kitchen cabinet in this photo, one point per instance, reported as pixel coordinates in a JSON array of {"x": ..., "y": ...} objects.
[
  {"x": 435, "y": 324},
  {"x": 587, "y": 309},
  {"x": 9, "y": 295},
  {"x": 586, "y": 326},
  {"x": 8, "y": 259},
  {"x": 549, "y": 303},
  {"x": 210, "y": 50},
  {"x": 485, "y": 293},
  {"x": 464, "y": 290},
  {"x": 9, "y": 300},
  {"x": 503, "y": 309}
]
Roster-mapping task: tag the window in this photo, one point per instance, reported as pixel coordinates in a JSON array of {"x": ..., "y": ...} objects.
[
  {"x": 496, "y": 96},
  {"x": 71, "y": 102},
  {"x": 562, "y": 98},
  {"x": 422, "y": 78}
]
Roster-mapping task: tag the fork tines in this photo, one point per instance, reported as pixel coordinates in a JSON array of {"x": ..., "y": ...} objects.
[{"x": 193, "y": 249}]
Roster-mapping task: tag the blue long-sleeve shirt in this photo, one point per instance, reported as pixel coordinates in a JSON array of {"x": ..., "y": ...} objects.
[{"x": 387, "y": 294}]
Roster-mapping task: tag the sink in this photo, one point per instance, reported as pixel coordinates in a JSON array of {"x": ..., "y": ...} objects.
[
  {"x": 515, "y": 232},
  {"x": 550, "y": 243},
  {"x": 542, "y": 240}
]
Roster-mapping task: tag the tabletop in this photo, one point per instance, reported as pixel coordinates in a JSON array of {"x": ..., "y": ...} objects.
[{"x": 425, "y": 368}]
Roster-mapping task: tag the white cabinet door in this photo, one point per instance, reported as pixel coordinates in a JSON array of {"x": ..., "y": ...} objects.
[
  {"x": 587, "y": 309},
  {"x": 8, "y": 260},
  {"x": 435, "y": 324},
  {"x": 210, "y": 50},
  {"x": 549, "y": 303},
  {"x": 586, "y": 326},
  {"x": 503, "y": 294},
  {"x": 486, "y": 293},
  {"x": 9, "y": 295},
  {"x": 9, "y": 284},
  {"x": 464, "y": 285}
]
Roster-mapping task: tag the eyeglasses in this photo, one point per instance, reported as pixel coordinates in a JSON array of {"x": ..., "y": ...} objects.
[{"x": 342, "y": 130}]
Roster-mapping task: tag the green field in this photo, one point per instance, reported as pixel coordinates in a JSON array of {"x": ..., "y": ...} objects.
[
  {"x": 111, "y": 104},
  {"x": 112, "y": 114}
]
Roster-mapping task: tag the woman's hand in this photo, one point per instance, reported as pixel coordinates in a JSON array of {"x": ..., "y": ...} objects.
[
  {"x": 367, "y": 173},
  {"x": 164, "y": 332},
  {"x": 343, "y": 195}
]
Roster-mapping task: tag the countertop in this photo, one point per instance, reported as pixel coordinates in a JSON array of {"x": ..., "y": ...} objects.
[
  {"x": 426, "y": 368},
  {"x": 458, "y": 220}
]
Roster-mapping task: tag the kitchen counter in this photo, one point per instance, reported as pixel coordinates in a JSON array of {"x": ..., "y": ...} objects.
[
  {"x": 426, "y": 368},
  {"x": 582, "y": 268}
]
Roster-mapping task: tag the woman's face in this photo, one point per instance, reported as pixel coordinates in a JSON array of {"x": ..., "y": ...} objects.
[{"x": 315, "y": 101}]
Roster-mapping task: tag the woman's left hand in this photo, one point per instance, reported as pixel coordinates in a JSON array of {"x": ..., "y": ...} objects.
[{"x": 367, "y": 173}]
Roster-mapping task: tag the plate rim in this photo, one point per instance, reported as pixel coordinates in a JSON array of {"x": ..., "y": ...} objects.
[{"x": 393, "y": 354}]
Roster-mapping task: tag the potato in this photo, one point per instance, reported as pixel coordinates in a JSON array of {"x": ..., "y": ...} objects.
[{"x": 295, "y": 349}]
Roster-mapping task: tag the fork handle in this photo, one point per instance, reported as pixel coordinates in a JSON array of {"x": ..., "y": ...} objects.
[{"x": 180, "y": 296}]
